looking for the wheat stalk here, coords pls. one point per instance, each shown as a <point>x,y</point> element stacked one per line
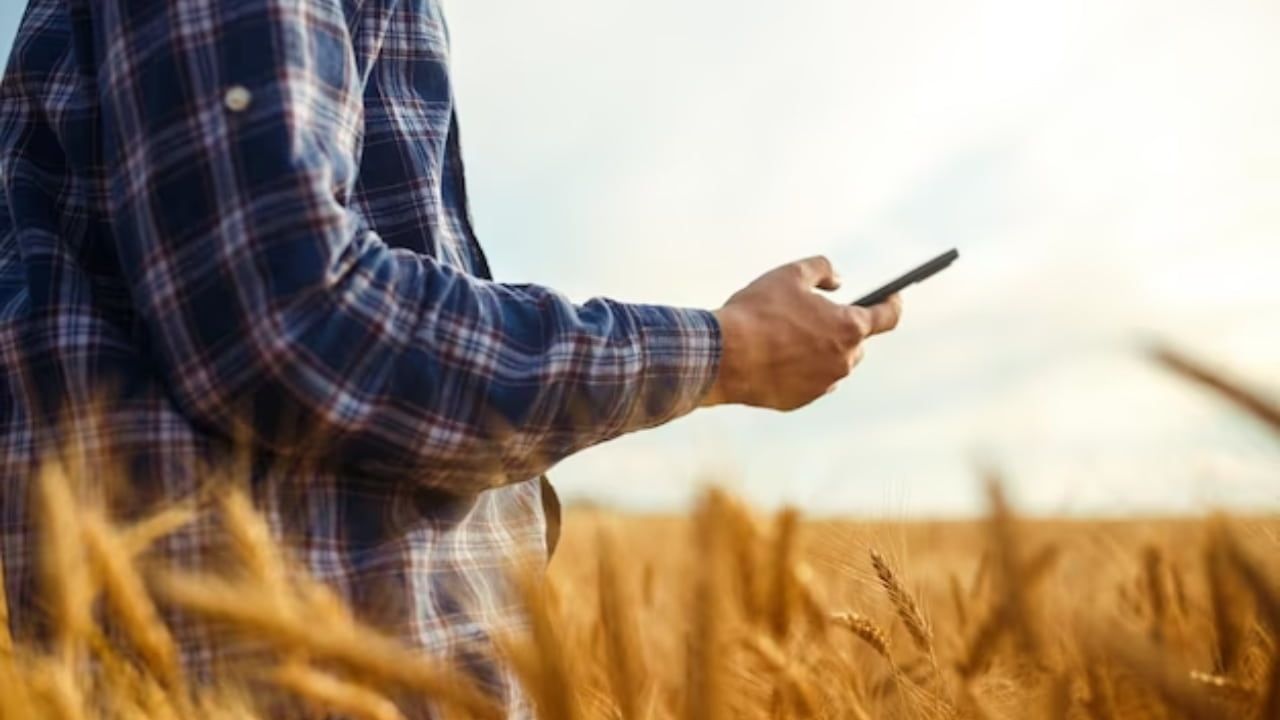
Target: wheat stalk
<point>333,694</point>
<point>1267,599</point>
<point>140,536</point>
<point>1002,618</point>
<point>810,596</point>
<point>1004,539</point>
<point>6,639</point>
<point>1244,398</point>
<point>782,590</point>
<point>957,599</point>
<point>248,610</point>
<point>59,686</point>
<point>625,656</point>
<point>66,579</point>
<point>795,689</point>
<point>745,540</point>
<point>1058,700</point>
<point>1153,579</point>
<point>1224,604</point>
<point>705,698</point>
<point>251,539</point>
<point>908,611</point>
<point>1151,666</point>
<point>866,630</point>
<point>127,595</point>
<point>1098,701</point>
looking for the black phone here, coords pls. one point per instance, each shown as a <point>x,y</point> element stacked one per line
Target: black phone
<point>929,269</point>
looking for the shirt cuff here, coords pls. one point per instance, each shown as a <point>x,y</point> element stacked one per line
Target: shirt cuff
<point>680,359</point>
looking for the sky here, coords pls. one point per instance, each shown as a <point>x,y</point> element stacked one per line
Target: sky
<point>1109,170</point>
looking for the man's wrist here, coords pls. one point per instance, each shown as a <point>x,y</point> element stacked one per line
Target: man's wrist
<point>726,385</point>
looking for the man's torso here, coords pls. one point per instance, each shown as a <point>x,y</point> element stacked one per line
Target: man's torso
<point>416,561</point>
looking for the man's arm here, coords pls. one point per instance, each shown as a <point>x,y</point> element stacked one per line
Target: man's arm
<point>275,313</point>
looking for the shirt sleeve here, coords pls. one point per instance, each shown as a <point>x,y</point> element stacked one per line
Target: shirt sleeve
<point>275,313</point>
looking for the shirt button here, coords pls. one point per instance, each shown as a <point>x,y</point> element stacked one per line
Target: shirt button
<point>237,98</point>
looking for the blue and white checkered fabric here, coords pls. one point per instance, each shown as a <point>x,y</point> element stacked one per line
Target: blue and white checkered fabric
<point>246,220</point>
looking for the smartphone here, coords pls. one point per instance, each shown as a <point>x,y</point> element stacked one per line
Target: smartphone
<point>926,270</point>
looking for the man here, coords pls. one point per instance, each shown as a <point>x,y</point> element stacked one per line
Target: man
<point>246,220</point>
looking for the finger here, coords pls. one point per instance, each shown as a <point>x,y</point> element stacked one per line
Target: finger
<point>818,272</point>
<point>884,317</point>
<point>855,325</point>
<point>855,356</point>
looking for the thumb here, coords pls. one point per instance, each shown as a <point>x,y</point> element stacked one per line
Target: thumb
<point>818,272</point>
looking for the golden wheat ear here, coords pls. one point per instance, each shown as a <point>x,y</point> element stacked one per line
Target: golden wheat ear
<point>866,630</point>
<point>908,611</point>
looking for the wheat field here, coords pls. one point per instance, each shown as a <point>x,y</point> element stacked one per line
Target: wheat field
<point>1002,619</point>
<point>724,613</point>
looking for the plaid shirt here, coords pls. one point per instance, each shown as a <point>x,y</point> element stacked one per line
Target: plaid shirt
<point>247,220</point>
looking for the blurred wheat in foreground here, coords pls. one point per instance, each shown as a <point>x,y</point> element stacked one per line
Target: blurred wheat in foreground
<point>726,614</point>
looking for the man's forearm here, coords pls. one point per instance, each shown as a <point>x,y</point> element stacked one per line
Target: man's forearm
<point>276,315</point>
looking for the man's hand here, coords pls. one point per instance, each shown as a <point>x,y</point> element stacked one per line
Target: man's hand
<point>785,345</point>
